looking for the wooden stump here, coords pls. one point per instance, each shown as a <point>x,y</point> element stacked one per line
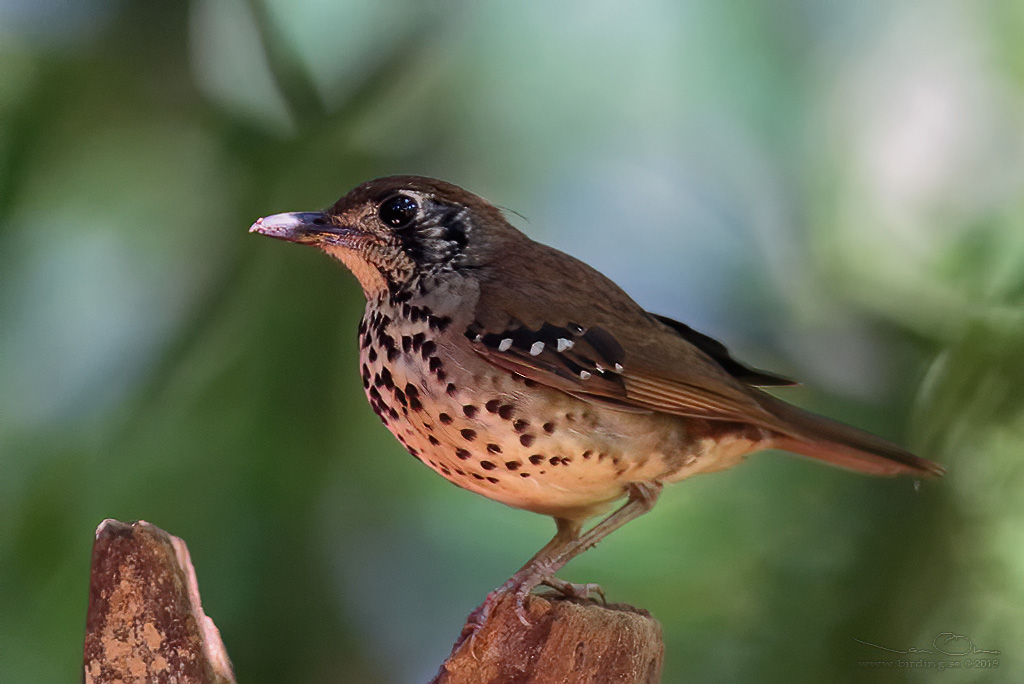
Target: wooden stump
<point>145,622</point>
<point>569,641</point>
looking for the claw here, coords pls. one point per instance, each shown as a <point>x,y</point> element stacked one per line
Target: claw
<point>573,590</point>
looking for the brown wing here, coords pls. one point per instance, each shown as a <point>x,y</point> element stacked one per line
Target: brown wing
<point>590,363</point>
<point>571,328</point>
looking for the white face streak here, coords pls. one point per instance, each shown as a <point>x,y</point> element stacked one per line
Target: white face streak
<point>505,344</point>
<point>537,348</point>
<point>563,344</point>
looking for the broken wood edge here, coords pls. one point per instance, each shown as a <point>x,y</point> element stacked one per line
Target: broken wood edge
<point>145,620</point>
<point>568,641</point>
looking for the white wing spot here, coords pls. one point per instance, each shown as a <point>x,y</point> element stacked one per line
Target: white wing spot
<point>537,348</point>
<point>599,367</point>
<point>618,368</point>
<point>564,344</point>
<point>505,344</point>
<point>584,375</point>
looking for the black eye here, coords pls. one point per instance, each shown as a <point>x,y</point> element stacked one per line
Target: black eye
<point>398,211</point>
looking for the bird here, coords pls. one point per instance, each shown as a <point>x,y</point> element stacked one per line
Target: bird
<point>520,373</point>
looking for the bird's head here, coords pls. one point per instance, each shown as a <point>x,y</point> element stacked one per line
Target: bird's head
<point>392,231</point>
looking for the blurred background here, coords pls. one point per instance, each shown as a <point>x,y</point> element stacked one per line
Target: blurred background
<point>835,190</point>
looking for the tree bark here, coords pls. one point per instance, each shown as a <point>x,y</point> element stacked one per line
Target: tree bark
<point>569,641</point>
<point>145,622</point>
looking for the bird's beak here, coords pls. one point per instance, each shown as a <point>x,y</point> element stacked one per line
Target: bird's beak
<point>307,227</point>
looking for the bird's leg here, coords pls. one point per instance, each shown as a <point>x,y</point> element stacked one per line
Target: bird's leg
<point>569,543</point>
<point>567,532</point>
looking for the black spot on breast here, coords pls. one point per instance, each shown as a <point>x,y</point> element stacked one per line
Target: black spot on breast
<point>478,476</point>
<point>385,376</point>
<point>417,341</point>
<point>520,425</point>
<point>451,390</point>
<point>433,440</point>
<point>526,440</point>
<point>493,480</point>
<point>406,343</point>
<point>494,448</point>
<point>400,297</point>
<point>492,405</point>
<point>536,459</point>
<point>462,454</point>
<point>434,363</point>
<point>468,435</point>
<point>549,428</point>
<point>554,460</point>
<point>487,465</point>
<point>470,410</point>
<point>427,349</point>
<point>587,453</point>
<point>372,355</point>
<point>439,323</point>
<point>444,418</point>
<point>400,396</point>
<point>505,411</point>
<point>512,465</point>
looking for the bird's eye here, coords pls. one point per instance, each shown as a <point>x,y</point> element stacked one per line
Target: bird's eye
<point>398,211</point>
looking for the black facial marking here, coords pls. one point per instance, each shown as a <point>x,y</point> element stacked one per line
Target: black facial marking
<point>435,236</point>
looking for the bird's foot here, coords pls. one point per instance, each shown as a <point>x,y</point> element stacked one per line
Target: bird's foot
<point>573,590</point>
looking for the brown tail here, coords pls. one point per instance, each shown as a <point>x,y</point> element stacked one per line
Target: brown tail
<point>842,445</point>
